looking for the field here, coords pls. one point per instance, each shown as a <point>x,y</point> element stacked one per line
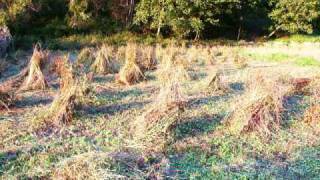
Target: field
<point>245,111</point>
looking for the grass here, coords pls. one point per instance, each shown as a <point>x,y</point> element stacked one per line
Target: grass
<point>299,38</point>
<point>284,58</point>
<point>200,146</point>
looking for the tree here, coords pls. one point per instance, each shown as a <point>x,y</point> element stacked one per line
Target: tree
<point>154,13</point>
<point>294,16</point>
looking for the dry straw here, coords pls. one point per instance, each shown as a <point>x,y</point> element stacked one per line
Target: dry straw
<point>98,165</point>
<point>36,79</point>
<point>260,108</point>
<point>86,57</point>
<point>312,114</point>
<point>148,59</point>
<point>130,73</point>
<point>216,85</point>
<point>105,62</point>
<point>73,87</point>
<point>152,129</point>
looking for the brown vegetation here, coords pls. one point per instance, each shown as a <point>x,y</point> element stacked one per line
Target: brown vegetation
<point>130,73</point>
<point>86,57</point>
<point>154,126</point>
<point>259,109</point>
<point>216,85</point>
<point>35,78</point>
<point>72,88</point>
<point>105,62</point>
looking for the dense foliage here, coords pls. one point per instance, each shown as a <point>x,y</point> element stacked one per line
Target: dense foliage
<point>179,18</point>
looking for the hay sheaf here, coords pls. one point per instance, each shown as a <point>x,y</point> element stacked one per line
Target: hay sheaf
<point>73,87</point>
<point>148,58</point>
<point>130,73</point>
<point>312,114</point>
<point>216,84</point>
<point>105,62</point>
<point>259,109</point>
<point>86,58</point>
<point>153,128</point>
<point>36,79</point>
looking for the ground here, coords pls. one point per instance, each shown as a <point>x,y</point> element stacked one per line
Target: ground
<point>199,148</point>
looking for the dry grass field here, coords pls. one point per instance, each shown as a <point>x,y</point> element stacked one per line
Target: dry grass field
<point>151,112</point>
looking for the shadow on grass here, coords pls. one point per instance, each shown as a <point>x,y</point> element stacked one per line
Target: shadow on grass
<point>104,79</point>
<point>114,96</point>
<point>113,108</point>
<point>237,86</point>
<point>194,126</point>
<point>6,160</point>
<point>32,101</point>
<point>197,102</point>
<point>294,108</point>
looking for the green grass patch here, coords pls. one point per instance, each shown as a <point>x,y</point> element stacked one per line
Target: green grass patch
<point>299,38</point>
<point>284,58</point>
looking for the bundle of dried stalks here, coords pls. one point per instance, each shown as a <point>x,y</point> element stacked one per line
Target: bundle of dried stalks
<point>171,68</point>
<point>153,128</point>
<point>86,57</point>
<point>98,165</point>
<point>259,109</point>
<point>148,60</point>
<point>216,85</point>
<point>6,100</point>
<point>130,73</point>
<point>312,114</point>
<point>73,87</point>
<point>35,78</point>
<point>13,83</point>
<point>105,62</point>
<point>240,61</point>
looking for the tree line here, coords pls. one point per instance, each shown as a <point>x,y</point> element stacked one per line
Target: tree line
<point>177,18</point>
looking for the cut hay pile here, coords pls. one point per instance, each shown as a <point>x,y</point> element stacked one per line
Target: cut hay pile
<point>216,84</point>
<point>312,114</point>
<point>13,83</point>
<point>153,128</point>
<point>86,57</point>
<point>35,79</point>
<point>29,78</point>
<point>105,62</point>
<point>72,88</point>
<point>130,73</point>
<point>99,165</point>
<point>240,61</point>
<point>148,60</point>
<point>172,69</point>
<point>259,109</point>
<point>6,100</point>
